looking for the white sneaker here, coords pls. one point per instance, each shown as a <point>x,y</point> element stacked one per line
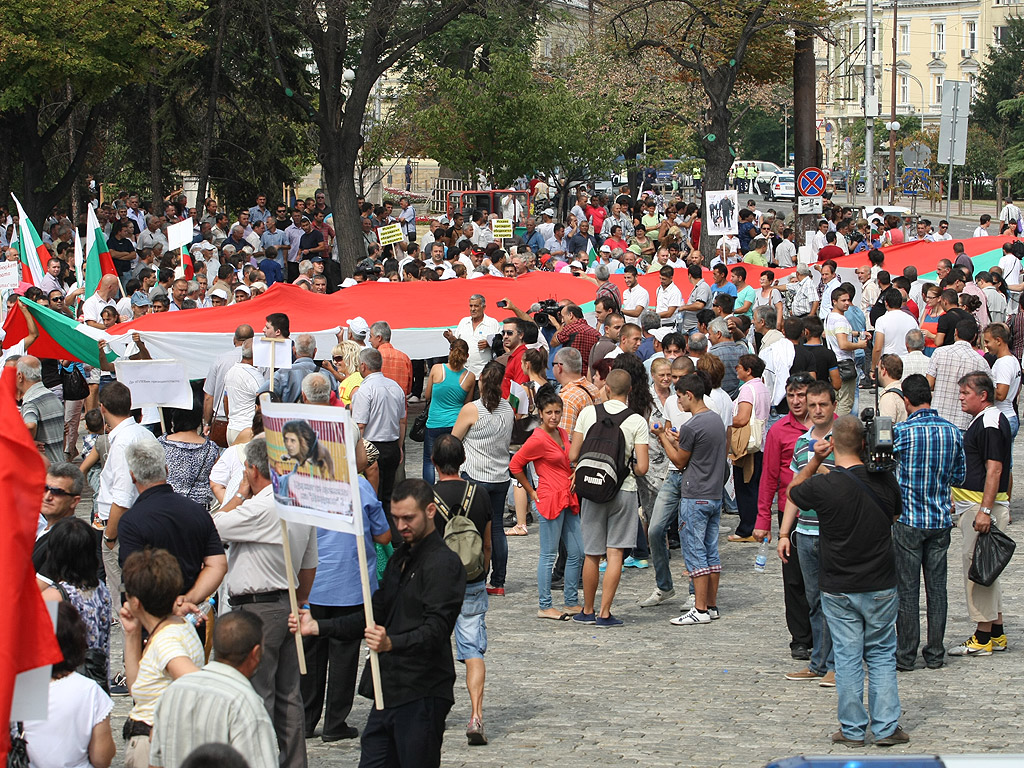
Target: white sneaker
<point>713,613</point>
<point>657,598</point>
<point>691,617</point>
<point>413,399</point>
<point>690,604</point>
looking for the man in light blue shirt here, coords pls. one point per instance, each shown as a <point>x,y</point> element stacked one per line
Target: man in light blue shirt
<point>337,591</point>
<point>273,237</point>
<point>259,212</point>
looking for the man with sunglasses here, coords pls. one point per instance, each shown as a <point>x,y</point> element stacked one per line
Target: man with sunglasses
<point>776,474</point>
<point>64,485</point>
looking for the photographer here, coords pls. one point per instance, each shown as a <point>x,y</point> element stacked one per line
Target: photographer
<point>856,510</point>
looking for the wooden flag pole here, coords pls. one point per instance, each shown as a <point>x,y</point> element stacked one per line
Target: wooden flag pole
<point>378,693</point>
<point>292,598</point>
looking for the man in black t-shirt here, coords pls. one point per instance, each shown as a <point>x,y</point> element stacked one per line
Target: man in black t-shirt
<point>951,315</point>
<point>981,501</point>
<point>856,510</point>
<point>826,367</point>
<point>312,241</point>
<point>470,628</point>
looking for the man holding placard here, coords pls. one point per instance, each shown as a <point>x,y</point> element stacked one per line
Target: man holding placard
<point>419,599</point>
<point>258,582</point>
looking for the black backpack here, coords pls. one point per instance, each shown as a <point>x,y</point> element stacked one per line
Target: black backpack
<point>603,466</point>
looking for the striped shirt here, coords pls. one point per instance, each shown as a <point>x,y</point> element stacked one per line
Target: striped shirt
<point>807,521</point>
<point>947,366</point>
<point>931,460</point>
<point>41,407</point>
<point>397,366</point>
<point>218,705</point>
<point>170,642</point>
<point>487,443</point>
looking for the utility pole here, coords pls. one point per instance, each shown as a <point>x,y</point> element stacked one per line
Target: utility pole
<point>804,134</point>
<point>870,101</point>
<point>892,118</point>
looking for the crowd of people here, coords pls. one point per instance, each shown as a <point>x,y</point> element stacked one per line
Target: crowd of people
<point>622,434</point>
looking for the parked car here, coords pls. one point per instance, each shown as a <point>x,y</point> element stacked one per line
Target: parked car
<point>765,170</point>
<point>781,186</point>
<point>839,181</point>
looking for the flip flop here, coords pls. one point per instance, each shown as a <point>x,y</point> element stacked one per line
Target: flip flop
<point>517,530</point>
<point>561,617</point>
<point>744,539</point>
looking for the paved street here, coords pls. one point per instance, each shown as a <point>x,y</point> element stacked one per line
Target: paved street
<point>560,694</point>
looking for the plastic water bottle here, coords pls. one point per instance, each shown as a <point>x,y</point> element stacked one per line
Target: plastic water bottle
<point>204,610</point>
<point>761,560</point>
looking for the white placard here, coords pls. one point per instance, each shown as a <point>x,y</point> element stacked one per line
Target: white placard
<point>808,205</point>
<point>282,353</point>
<point>156,382</point>
<point>31,700</point>
<point>180,234</point>
<point>722,209</point>
<point>10,275</point>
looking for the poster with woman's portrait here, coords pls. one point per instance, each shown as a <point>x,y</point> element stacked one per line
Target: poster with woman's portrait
<point>311,451</point>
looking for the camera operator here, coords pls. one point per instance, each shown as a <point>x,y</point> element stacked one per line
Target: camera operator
<point>856,510</point>
<point>931,461</point>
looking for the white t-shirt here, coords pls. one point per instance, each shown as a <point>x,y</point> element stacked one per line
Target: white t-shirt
<point>980,232</point>
<point>723,405</point>
<point>635,429</point>
<point>242,384</point>
<point>93,306</point>
<point>636,297</point>
<point>1006,370</point>
<point>835,324</point>
<point>486,330</point>
<point>76,705</point>
<point>229,469</point>
<point>1011,267</point>
<point>669,297</point>
<point>895,324</point>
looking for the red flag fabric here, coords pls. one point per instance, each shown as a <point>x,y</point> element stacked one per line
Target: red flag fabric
<point>27,640</point>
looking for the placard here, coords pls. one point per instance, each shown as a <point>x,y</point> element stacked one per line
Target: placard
<point>282,353</point>
<point>392,233</point>
<point>502,228</point>
<point>722,208</point>
<point>10,275</point>
<point>312,456</point>
<point>808,205</point>
<point>180,234</point>
<point>156,382</point>
<point>31,699</point>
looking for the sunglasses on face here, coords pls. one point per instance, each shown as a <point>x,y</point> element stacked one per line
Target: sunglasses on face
<point>58,492</point>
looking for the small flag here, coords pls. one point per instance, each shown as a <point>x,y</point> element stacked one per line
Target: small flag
<point>98,261</point>
<point>591,253</point>
<point>34,254</point>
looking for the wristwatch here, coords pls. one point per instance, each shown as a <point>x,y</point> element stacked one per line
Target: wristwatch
<point>986,510</point>
<point>108,539</point>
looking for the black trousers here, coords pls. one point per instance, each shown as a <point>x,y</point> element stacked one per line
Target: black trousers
<point>408,736</point>
<point>331,667</point>
<point>387,463</point>
<point>291,271</point>
<point>798,612</point>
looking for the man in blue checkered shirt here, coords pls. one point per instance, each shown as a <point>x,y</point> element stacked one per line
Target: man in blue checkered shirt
<point>931,460</point>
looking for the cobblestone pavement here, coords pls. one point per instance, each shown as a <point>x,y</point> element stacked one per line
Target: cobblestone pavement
<point>560,694</point>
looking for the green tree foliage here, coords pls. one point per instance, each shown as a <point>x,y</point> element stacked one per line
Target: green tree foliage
<point>999,106</point>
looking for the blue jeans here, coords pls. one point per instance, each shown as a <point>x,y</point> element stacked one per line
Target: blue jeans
<point>499,544</point>
<point>822,656</point>
<point>917,550</point>
<point>471,625</point>
<point>429,436</point>
<point>564,528</point>
<point>666,508</point>
<point>863,626</point>
<point>700,536</point>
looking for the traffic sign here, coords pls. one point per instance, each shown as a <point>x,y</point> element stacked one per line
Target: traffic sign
<point>811,182</point>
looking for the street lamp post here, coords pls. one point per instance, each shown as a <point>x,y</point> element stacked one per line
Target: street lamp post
<point>893,124</point>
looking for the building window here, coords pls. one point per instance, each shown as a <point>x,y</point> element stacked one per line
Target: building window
<point>971,36</point>
<point>937,80</point>
<point>904,38</point>
<point>904,89</point>
<point>939,37</point>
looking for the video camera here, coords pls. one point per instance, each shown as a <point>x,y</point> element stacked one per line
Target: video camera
<point>878,455</point>
<point>548,307</point>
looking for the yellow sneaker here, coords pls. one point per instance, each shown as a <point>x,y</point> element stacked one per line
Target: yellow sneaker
<point>999,643</point>
<point>971,647</point>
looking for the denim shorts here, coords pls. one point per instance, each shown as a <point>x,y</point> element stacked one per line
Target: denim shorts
<point>471,625</point>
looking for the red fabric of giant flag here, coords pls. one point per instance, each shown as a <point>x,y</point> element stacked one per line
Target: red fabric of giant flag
<point>27,640</point>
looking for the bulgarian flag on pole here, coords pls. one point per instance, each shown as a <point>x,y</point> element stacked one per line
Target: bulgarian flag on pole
<point>60,337</point>
<point>591,253</point>
<point>98,261</point>
<point>34,254</point>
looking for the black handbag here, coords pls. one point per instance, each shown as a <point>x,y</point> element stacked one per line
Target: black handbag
<point>418,432</point>
<point>74,383</point>
<point>17,755</point>
<point>992,553</point>
<point>847,370</point>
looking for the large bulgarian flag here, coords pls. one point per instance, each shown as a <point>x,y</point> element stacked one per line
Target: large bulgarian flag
<point>60,337</point>
<point>33,253</point>
<point>98,261</point>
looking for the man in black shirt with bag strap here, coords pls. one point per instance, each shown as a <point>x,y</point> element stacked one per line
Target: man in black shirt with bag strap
<point>857,575</point>
<point>419,599</point>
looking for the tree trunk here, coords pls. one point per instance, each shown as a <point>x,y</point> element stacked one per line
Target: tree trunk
<point>37,198</point>
<point>6,163</point>
<point>75,195</point>
<point>206,141</point>
<point>718,160</point>
<point>154,150</point>
<point>339,149</point>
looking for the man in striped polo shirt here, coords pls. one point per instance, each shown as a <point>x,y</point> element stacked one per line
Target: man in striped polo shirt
<point>821,407</point>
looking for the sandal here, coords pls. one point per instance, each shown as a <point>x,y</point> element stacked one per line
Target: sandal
<point>517,530</point>
<point>552,617</point>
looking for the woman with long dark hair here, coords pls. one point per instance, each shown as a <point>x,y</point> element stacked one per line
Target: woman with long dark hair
<point>640,400</point>
<point>485,428</point>
<point>302,446</point>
